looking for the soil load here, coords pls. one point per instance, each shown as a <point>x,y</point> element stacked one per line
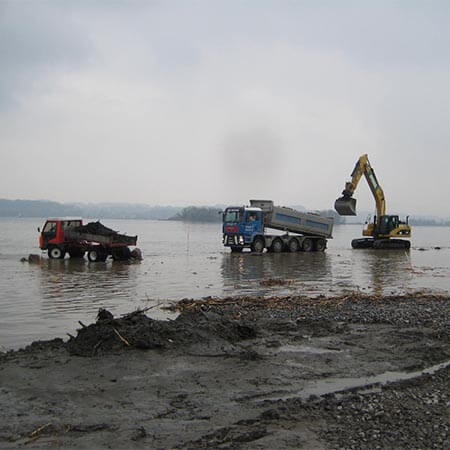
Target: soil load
<point>98,229</point>
<point>282,372</point>
<point>95,228</point>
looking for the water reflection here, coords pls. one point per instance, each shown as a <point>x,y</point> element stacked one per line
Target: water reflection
<point>388,270</point>
<point>76,284</point>
<point>331,273</point>
<point>246,272</point>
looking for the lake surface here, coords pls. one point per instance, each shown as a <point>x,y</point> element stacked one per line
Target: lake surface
<point>46,300</point>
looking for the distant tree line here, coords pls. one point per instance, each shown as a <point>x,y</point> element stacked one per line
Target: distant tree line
<point>417,221</point>
<point>199,214</point>
<point>45,208</point>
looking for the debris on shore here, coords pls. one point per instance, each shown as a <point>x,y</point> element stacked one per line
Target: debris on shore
<point>276,282</point>
<point>136,330</point>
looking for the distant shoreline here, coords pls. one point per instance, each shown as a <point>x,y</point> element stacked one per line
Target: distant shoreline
<point>124,211</point>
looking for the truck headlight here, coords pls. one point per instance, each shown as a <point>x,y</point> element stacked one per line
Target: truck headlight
<point>241,240</point>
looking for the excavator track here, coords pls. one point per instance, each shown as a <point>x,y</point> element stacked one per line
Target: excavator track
<point>362,243</point>
<point>381,244</point>
<point>392,244</point>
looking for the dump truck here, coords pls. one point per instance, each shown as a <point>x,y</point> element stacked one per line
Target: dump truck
<point>386,231</point>
<point>245,227</point>
<point>68,235</point>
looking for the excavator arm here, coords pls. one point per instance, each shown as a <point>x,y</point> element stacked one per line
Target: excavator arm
<point>346,205</point>
<point>384,230</point>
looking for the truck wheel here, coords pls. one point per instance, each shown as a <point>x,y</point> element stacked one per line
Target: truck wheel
<point>121,254</point>
<point>236,249</point>
<point>277,246</point>
<point>321,245</point>
<point>293,245</point>
<point>97,255</point>
<point>137,254</point>
<point>258,245</point>
<point>56,253</point>
<point>307,245</point>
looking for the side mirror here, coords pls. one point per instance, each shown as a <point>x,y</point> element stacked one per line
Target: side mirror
<point>39,230</point>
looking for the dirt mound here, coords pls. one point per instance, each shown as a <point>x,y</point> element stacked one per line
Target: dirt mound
<point>99,229</point>
<point>95,228</point>
<point>136,330</point>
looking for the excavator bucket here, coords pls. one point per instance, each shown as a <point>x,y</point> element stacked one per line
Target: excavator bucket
<point>345,206</point>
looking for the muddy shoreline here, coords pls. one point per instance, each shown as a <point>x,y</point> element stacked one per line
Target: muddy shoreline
<point>281,372</point>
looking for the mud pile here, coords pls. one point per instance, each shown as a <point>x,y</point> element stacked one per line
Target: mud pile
<point>95,228</point>
<point>136,330</point>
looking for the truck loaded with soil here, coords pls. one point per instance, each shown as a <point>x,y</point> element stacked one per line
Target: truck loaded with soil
<point>251,372</point>
<point>61,236</point>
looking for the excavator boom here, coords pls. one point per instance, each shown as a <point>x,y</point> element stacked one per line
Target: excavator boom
<point>346,205</point>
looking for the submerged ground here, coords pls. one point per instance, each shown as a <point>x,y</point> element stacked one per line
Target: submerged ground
<point>251,372</point>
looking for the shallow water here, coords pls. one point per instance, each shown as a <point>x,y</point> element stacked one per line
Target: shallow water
<point>370,383</point>
<point>188,261</point>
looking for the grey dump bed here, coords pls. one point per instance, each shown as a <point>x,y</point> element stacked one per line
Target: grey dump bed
<point>288,219</point>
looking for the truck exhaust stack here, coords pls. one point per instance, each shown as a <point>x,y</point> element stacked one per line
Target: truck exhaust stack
<point>345,206</point>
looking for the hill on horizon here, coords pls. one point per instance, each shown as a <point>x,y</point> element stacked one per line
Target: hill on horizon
<point>48,208</point>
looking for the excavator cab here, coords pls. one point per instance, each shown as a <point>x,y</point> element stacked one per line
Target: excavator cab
<point>387,224</point>
<point>345,206</point>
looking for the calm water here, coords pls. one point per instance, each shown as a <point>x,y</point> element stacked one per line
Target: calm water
<point>188,261</point>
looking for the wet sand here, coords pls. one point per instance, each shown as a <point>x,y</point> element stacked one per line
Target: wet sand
<point>250,372</point>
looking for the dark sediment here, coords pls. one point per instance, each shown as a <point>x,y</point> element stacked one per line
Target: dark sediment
<point>238,373</point>
<point>136,330</point>
<point>95,228</point>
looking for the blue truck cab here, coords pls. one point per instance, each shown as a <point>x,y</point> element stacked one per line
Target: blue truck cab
<point>242,226</point>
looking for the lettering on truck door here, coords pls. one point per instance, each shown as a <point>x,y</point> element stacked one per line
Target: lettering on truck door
<point>251,223</point>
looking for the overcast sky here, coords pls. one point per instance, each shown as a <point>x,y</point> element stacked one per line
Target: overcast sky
<point>206,102</point>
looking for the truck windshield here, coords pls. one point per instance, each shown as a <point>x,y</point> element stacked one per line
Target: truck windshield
<point>49,227</point>
<point>232,216</point>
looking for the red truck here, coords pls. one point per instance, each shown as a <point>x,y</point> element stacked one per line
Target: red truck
<point>61,236</point>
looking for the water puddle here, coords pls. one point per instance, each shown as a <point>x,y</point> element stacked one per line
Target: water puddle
<point>372,383</point>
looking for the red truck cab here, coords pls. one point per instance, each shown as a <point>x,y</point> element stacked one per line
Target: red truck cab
<point>53,239</point>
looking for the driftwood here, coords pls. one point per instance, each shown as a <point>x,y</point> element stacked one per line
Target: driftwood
<point>290,302</point>
<point>122,338</point>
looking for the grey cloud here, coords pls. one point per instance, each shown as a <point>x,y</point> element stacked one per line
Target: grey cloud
<point>36,40</point>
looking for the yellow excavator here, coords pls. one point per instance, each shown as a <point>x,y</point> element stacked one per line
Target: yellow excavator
<point>384,229</point>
